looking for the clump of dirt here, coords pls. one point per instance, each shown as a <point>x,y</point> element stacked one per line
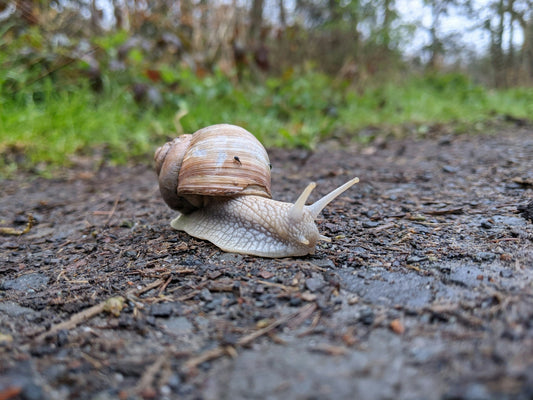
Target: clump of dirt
<point>424,292</point>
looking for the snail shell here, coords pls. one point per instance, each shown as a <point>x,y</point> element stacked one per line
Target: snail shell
<point>219,160</point>
<point>219,179</point>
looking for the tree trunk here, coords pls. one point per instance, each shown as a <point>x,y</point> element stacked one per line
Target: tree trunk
<point>282,16</point>
<point>256,21</point>
<point>498,61</point>
<point>527,50</point>
<point>435,47</point>
<point>387,21</point>
<point>186,23</point>
<point>119,15</point>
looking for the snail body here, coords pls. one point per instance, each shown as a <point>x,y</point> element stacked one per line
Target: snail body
<point>236,213</point>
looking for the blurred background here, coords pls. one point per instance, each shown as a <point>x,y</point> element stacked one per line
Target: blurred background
<point>109,80</point>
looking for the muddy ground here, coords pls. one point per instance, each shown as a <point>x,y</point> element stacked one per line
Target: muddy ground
<point>426,291</point>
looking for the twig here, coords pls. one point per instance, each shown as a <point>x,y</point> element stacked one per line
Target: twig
<point>184,271</point>
<point>305,313</point>
<point>208,355</point>
<point>445,211</point>
<point>188,295</point>
<point>93,361</point>
<point>278,285</point>
<point>311,329</point>
<point>112,210</point>
<point>17,232</point>
<point>154,284</point>
<point>148,377</point>
<point>383,227</point>
<point>113,305</point>
<point>405,237</point>
<point>246,340</point>
<point>164,286</point>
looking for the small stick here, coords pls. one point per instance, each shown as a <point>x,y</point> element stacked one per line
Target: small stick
<point>17,232</point>
<point>188,295</point>
<point>305,310</point>
<point>154,284</point>
<point>208,355</point>
<point>383,227</point>
<point>147,378</point>
<point>444,211</point>
<point>278,285</point>
<point>84,315</point>
<point>184,271</point>
<point>164,286</point>
<point>246,340</point>
<point>305,313</point>
<point>113,210</point>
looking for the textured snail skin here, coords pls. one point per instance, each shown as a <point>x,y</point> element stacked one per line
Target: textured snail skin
<point>251,225</point>
<point>259,226</point>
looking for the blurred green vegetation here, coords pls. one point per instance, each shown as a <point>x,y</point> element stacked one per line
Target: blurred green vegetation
<point>52,116</point>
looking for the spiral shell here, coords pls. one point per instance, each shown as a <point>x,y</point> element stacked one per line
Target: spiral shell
<point>216,161</point>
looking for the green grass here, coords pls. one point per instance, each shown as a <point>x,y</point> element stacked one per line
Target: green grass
<point>49,127</point>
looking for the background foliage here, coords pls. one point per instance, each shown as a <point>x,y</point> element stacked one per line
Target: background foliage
<point>111,80</point>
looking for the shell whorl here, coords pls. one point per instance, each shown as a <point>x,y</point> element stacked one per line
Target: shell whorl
<point>168,164</point>
<point>216,161</point>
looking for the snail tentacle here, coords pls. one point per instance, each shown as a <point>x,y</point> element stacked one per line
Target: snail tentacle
<point>317,207</point>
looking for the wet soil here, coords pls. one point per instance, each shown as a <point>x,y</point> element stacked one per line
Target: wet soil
<point>425,292</point>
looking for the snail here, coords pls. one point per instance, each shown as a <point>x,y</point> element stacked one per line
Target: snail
<point>219,180</point>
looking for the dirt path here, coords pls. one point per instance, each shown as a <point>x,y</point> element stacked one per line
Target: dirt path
<point>426,291</point>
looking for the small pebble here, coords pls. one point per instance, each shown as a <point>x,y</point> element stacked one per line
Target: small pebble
<point>367,316</point>
<point>415,259</point>
<point>295,301</point>
<point>449,169</point>
<point>486,224</point>
<point>174,381</point>
<point>506,273</point>
<point>485,256</point>
<point>165,390</point>
<point>353,299</point>
<point>21,220</point>
<point>324,263</point>
<point>369,213</point>
<point>313,284</point>
<point>230,258</point>
<point>206,295</point>
<point>445,140</point>
<point>162,310</point>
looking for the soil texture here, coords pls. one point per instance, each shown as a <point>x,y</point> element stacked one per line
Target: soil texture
<point>425,291</point>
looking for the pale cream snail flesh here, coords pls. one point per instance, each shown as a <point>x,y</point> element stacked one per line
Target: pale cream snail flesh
<point>219,179</point>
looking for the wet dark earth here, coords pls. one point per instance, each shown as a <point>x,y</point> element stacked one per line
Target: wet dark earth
<point>425,292</point>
